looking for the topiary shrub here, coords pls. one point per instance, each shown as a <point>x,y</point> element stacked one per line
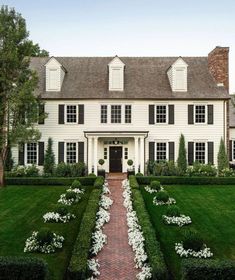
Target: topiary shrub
<point>91,175</point>
<point>44,236</point>
<point>222,158</point>
<point>192,240</point>
<point>139,174</point>
<point>99,182</point>
<point>101,162</point>
<point>162,196</point>
<point>130,162</point>
<point>182,159</point>
<point>155,185</point>
<point>70,195</point>
<point>173,211</point>
<point>76,184</point>
<point>49,161</point>
<point>63,211</point>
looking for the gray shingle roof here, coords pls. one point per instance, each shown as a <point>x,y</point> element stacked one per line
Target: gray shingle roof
<point>145,78</point>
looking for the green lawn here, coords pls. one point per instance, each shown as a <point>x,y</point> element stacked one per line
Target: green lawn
<point>212,210</point>
<point>21,211</point>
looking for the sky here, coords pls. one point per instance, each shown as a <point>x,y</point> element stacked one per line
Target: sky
<point>130,27</point>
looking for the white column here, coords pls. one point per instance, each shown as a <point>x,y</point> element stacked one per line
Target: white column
<point>136,154</point>
<point>142,155</point>
<point>89,155</point>
<point>95,161</point>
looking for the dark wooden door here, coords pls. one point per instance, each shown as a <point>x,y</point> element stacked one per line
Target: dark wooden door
<point>115,159</point>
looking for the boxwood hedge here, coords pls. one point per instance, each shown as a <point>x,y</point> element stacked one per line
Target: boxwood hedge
<point>99,182</point>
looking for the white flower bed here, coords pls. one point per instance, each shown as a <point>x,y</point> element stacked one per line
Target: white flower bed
<point>56,217</point>
<point>135,235</point>
<point>169,202</point>
<point>98,237</point>
<point>77,190</point>
<point>32,245</point>
<point>68,202</point>
<point>204,253</point>
<point>150,190</point>
<point>179,221</point>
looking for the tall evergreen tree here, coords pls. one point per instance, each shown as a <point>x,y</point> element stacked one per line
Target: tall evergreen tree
<point>182,160</point>
<point>222,158</point>
<point>49,161</point>
<point>18,105</point>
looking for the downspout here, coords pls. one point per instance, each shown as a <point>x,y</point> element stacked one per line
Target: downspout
<point>86,150</point>
<point>145,151</point>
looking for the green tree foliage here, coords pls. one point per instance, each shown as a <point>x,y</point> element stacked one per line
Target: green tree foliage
<point>182,160</point>
<point>18,105</point>
<point>49,161</point>
<point>222,158</point>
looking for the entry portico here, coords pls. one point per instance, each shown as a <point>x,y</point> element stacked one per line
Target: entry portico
<point>116,147</point>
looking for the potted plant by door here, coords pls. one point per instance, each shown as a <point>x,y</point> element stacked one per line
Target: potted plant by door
<point>130,170</point>
<point>101,171</point>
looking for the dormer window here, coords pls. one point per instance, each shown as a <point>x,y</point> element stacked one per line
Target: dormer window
<point>116,75</point>
<point>177,75</point>
<point>55,73</point>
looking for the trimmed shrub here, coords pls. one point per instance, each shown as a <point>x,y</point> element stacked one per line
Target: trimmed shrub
<point>133,182</point>
<point>61,210</point>
<point>78,268</point>
<point>44,236</point>
<point>199,169</point>
<point>139,174</point>
<point>24,171</point>
<point>49,160</point>
<point>23,268</point>
<point>192,240</point>
<point>70,195</point>
<point>76,184</point>
<point>152,246</point>
<point>77,169</point>
<point>194,269</point>
<point>62,170</point>
<point>222,158</point>
<point>99,182</point>
<point>163,168</point>
<point>101,161</point>
<point>162,196</point>
<point>155,185</point>
<point>130,162</point>
<point>92,175</point>
<point>182,160</point>
<point>173,211</point>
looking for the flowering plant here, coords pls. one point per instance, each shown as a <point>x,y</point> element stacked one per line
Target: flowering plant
<point>76,190</point>
<point>168,202</point>
<point>177,220</point>
<point>93,266</point>
<point>58,218</point>
<point>150,190</point>
<point>205,252</point>
<point>69,198</point>
<point>32,244</point>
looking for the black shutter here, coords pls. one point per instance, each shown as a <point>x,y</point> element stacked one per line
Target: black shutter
<point>81,151</point>
<point>172,151</point>
<point>190,114</point>
<point>41,111</point>
<point>151,114</point>
<point>60,152</point>
<point>230,150</point>
<point>61,114</point>
<point>81,114</point>
<point>171,114</point>
<point>40,153</point>
<point>21,154</point>
<point>210,152</point>
<point>190,153</point>
<point>151,151</point>
<point>210,114</point>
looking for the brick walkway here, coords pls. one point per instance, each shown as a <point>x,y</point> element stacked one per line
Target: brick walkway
<point>117,258</point>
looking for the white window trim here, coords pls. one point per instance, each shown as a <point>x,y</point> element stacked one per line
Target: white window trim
<point>122,113</point>
<point>65,114</point>
<point>167,148</point>
<point>26,153</point>
<point>48,86</point>
<point>206,149</point>
<point>233,154</point>
<point>155,114</point>
<point>194,114</point>
<point>107,114</point>
<point>65,149</point>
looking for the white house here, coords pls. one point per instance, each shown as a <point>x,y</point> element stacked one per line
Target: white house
<point>120,108</point>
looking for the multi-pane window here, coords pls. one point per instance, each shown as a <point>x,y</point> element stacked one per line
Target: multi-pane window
<point>200,152</point>
<point>103,114</point>
<point>127,113</point>
<point>71,114</point>
<point>126,153</point>
<point>161,151</point>
<point>160,113</point>
<point>31,153</point>
<point>71,152</point>
<point>116,114</point>
<point>200,114</point>
<point>105,153</point>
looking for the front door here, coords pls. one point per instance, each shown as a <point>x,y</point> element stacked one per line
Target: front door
<point>115,159</point>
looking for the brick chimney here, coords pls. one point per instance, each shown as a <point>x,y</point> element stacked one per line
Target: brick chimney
<point>218,65</point>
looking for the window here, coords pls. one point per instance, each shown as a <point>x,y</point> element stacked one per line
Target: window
<point>127,113</point>
<point>200,113</point>
<point>161,114</point>
<point>53,78</point>
<point>71,114</point>
<point>200,152</point>
<point>161,151</point>
<point>105,153</point>
<point>233,150</point>
<point>71,152</point>
<point>116,114</point>
<point>179,78</point>
<point>31,153</point>
<point>126,153</point>
<point>103,116</point>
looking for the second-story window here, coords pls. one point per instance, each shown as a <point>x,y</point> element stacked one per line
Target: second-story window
<point>116,114</point>
<point>71,114</point>
<point>161,114</point>
<point>104,114</point>
<point>127,113</point>
<point>200,113</point>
